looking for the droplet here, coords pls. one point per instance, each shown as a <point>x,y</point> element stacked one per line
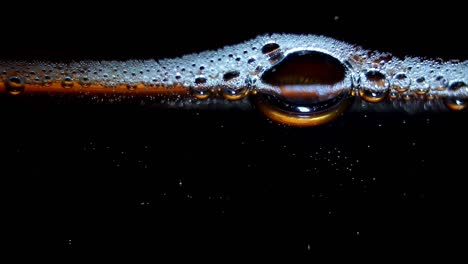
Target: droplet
<point>373,86</point>
<point>230,75</point>
<point>251,60</point>
<point>440,83</point>
<point>234,94</point>
<point>401,82</point>
<point>67,82</point>
<point>421,87</point>
<point>14,85</point>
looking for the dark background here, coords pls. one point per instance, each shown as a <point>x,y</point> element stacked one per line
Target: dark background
<point>82,177</point>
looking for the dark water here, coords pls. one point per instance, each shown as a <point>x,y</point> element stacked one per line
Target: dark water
<point>81,177</point>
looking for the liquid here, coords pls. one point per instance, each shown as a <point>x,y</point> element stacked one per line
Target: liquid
<point>295,80</point>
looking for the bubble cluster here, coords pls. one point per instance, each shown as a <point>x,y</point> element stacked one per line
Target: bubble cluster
<point>318,69</point>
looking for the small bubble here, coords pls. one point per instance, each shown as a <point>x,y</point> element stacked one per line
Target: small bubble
<point>401,82</point>
<point>440,83</point>
<point>270,47</point>
<point>230,75</point>
<point>47,80</point>
<point>14,85</point>
<point>407,96</point>
<point>84,81</point>
<point>457,86</point>
<point>421,87</point>
<point>132,86</point>
<point>67,82</point>
<point>374,86</point>
<point>200,79</point>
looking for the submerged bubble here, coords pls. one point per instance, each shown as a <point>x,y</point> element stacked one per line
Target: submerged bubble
<point>14,85</point>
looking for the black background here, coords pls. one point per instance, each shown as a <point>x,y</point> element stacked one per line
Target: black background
<point>82,177</point>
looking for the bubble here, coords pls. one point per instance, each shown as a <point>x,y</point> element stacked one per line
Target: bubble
<point>273,51</point>
<point>67,82</point>
<point>200,93</point>
<point>401,82</point>
<point>456,104</point>
<point>421,87</point>
<point>306,67</point>
<point>132,86</point>
<point>373,86</point>
<point>270,47</point>
<point>455,86</point>
<point>312,89</point>
<point>135,86</point>
<point>440,83</point>
<point>200,79</point>
<point>84,81</point>
<point>230,75</point>
<point>14,85</point>
<point>47,80</point>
